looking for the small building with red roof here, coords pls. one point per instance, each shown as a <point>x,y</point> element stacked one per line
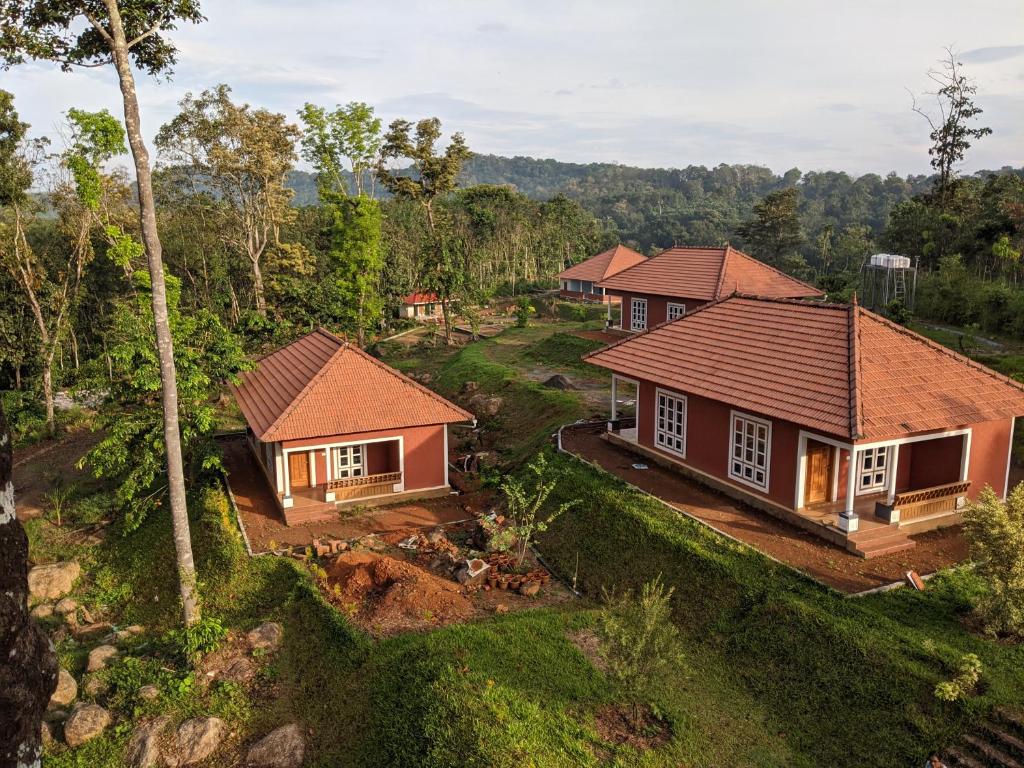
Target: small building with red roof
<point>421,305</point>
<point>676,281</point>
<point>330,425</point>
<point>580,281</point>
<point>825,414</point>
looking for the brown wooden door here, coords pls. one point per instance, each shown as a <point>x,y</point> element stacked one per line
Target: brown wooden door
<point>298,469</point>
<point>819,472</point>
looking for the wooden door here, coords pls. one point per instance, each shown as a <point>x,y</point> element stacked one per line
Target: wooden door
<point>818,482</point>
<point>298,469</point>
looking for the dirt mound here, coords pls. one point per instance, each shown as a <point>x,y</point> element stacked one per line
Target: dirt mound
<point>558,381</point>
<point>389,595</point>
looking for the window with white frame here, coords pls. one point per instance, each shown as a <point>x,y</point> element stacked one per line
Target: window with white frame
<point>750,450</point>
<point>675,311</point>
<point>670,423</point>
<point>873,474</point>
<point>348,462</point>
<point>638,315</point>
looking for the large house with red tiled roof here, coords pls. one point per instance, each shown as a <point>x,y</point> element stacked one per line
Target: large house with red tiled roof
<point>667,286</point>
<point>331,425</point>
<point>580,281</point>
<point>825,414</point>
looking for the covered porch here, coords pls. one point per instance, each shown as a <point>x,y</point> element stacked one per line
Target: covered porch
<point>624,400</point>
<point>340,472</point>
<point>911,483</point>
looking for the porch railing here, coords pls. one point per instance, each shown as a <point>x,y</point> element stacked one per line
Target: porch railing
<point>939,499</point>
<point>367,485</point>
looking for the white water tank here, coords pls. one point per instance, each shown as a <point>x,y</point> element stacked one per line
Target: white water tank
<point>890,261</point>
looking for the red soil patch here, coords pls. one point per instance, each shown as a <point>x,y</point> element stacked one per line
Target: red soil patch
<point>615,725</point>
<point>388,596</point>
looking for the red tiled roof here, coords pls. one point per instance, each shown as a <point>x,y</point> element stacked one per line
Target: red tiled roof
<point>707,274</point>
<point>320,385</point>
<point>605,264</point>
<point>833,367</point>
<point>420,298</point>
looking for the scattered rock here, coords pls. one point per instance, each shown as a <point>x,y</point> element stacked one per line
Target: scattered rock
<point>149,693</point>
<point>86,616</point>
<point>49,582</point>
<point>484,405</point>
<point>469,388</point>
<point>90,631</point>
<point>240,670</point>
<point>266,637</point>
<point>501,608</point>
<point>321,548</point>
<point>100,656</point>
<point>67,690</point>
<point>283,747</point>
<point>198,738</point>
<point>135,629</point>
<point>86,722</point>
<point>143,750</point>
<point>558,381</point>
<point>43,611</point>
<point>66,605</point>
<point>530,589</point>
<point>94,686</point>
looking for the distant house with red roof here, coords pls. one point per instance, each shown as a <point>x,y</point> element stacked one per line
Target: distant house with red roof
<point>420,305</point>
<point>331,425</point>
<point>579,281</point>
<point>667,286</point>
<point>827,415</point>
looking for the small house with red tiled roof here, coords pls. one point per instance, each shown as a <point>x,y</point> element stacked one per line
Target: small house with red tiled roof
<point>330,424</point>
<point>825,414</point>
<point>580,281</point>
<point>421,305</point>
<point>667,286</point>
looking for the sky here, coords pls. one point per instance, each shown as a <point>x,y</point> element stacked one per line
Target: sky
<point>812,84</point>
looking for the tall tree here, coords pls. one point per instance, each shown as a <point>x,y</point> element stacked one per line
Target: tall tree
<point>951,130</point>
<point>330,138</point>
<point>774,232</point>
<point>28,675</point>
<point>243,155</point>
<point>432,175</point>
<point>94,33</point>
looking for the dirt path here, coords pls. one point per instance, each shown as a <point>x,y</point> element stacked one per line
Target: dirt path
<point>39,468</point>
<point>792,545</point>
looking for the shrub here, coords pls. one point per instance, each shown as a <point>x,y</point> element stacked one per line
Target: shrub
<point>203,637</point>
<point>523,311</point>
<point>995,532</point>
<point>965,681</point>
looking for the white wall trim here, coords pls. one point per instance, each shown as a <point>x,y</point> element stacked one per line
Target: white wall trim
<point>1009,458</point>
<point>733,415</point>
<point>647,318</point>
<point>443,458</point>
<point>658,392</point>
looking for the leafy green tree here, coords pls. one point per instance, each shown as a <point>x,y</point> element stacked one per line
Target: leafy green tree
<point>774,232</point>
<point>131,452</point>
<point>995,532</point>
<point>639,642</point>
<point>330,138</point>
<point>94,33</point>
<point>433,175</point>
<point>951,131</point>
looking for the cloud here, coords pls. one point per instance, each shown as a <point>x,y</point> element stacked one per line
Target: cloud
<point>492,27</point>
<point>993,53</point>
<point>840,107</point>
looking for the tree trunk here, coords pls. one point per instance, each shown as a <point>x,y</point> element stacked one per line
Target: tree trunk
<point>28,674</point>
<point>164,342</point>
<point>51,422</point>
<point>257,288</point>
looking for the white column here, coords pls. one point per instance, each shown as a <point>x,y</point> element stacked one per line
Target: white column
<point>894,460</point>
<point>311,458</point>
<point>615,397</point>
<point>848,520</point>
<point>965,456</point>
<point>287,500</point>
<point>329,469</point>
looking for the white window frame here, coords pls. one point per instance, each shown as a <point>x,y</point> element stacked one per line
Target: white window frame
<point>746,421</point>
<point>872,474</point>
<point>354,466</point>
<point>680,311</point>
<point>667,407</point>
<point>637,308</point>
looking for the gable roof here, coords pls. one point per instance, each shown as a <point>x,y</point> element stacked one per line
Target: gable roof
<point>707,274</point>
<point>836,368</point>
<point>320,385</point>
<point>420,297</point>
<point>605,264</point>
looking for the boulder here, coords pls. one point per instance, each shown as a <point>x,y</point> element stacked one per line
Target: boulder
<point>198,738</point>
<point>52,581</point>
<point>266,637</point>
<point>283,747</point>
<point>530,588</point>
<point>66,605</point>
<point>43,611</point>
<point>469,388</point>
<point>240,670</point>
<point>149,693</point>
<point>143,749</point>
<point>558,381</point>
<point>483,405</point>
<point>94,686</point>
<point>86,722</point>
<point>100,656</point>
<point>66,692</point>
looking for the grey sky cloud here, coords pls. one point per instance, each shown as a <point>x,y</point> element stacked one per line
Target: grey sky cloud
<point>803,83</point>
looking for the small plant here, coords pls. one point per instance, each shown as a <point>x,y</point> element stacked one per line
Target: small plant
<point>965,681</point>
<point>639,642</point>
<point>524,509</point>
<point>523,311</point>
<point>58,500</point>
<point>203,637</point>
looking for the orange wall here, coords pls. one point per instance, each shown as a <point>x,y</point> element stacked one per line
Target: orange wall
<point>425,459</point>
